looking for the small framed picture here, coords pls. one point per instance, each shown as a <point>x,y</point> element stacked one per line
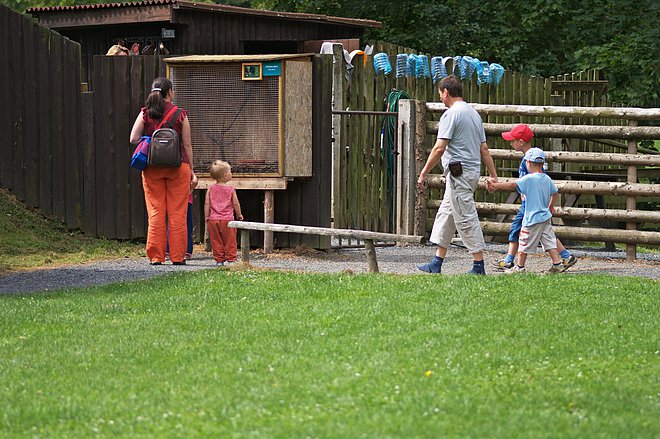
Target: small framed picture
<point>252,71</point>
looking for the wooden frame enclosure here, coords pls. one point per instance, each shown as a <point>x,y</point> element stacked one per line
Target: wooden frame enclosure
<point>260,125</point>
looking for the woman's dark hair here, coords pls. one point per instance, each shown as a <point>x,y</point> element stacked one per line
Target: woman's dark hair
<point>453,85</point>
<point>155,104</point>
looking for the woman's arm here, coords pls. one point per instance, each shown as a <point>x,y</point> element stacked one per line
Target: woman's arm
<point>186,139</point>
<point>138,129</point>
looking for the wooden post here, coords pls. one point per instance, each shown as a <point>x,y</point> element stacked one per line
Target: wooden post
<point>372,263</point>
<point>405,156</point>
<point>411,135</point>
<point>337,100</point>
<point>245,246</point>
<point>631,202</point>
<point>269,217</point>
<point>419,223</point>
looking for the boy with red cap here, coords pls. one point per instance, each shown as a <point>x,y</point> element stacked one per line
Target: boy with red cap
<point>521,140</point>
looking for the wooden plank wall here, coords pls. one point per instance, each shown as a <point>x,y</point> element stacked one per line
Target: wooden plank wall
<point>364,194</point>
<point>114,191</point>
<point>40,117</point>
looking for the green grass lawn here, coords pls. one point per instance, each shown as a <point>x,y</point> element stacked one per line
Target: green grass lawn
<point>281,355</point>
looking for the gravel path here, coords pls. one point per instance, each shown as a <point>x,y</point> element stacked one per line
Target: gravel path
<point>399,260</point>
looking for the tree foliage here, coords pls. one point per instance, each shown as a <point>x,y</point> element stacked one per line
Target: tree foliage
<point>538,37</point>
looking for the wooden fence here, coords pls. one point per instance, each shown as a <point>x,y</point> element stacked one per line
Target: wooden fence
<point>40,117</point>
<point>114,199</point>
<point>414,127</point>
<point>365,150</point>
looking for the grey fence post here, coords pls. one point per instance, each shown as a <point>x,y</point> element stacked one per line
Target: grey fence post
<point>411,135</point>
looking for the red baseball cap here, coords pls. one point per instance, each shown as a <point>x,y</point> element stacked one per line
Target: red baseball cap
<point>519,132</point>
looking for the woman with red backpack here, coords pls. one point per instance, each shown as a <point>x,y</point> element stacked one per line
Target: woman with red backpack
<point>166,188</point>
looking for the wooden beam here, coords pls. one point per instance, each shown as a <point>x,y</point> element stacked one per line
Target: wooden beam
<point>558,111</point>
<point>583,157</point>
<point>248,183</point>
<point>641,216</point>
<point>570,131</point>
<point>326,231</point>
<point>437,181</point>
<point>585,234</point>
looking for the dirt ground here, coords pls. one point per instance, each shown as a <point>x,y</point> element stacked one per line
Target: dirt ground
<point>404,260</point>
<point>391,259</point>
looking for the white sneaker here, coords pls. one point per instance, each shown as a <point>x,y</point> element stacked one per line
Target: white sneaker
<point>230,263</point>
<point>515,269</point>
<point>219,264</point>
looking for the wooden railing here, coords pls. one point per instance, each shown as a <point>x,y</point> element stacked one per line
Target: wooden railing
<point>414,128</point>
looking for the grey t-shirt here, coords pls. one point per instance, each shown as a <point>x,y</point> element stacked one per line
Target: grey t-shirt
<point>463,127</point>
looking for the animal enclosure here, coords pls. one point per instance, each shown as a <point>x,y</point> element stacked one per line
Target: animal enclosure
<point>254,112</point>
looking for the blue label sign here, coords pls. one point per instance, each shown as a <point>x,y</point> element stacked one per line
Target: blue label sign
<point>272,68</point>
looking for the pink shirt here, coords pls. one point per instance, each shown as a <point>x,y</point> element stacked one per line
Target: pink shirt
<point>220,200</point>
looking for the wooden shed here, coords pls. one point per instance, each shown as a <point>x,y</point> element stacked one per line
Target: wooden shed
<point>179,27</point>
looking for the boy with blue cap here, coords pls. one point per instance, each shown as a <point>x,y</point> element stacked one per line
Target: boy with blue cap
<point>521,140</point>
<point>540,196</point>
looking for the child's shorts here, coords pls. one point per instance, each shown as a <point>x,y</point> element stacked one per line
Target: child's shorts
<point>530,236</point>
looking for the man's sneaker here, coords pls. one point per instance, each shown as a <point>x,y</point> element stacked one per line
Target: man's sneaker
<point>568,262</point>
<point>515,269</point>
<point>230,263</point>
<point>477,271</point>
<point>557,268</point>
<point>219,264</point>
<point>502,264</point>
<point>430,268</point>
<point>188,256</point>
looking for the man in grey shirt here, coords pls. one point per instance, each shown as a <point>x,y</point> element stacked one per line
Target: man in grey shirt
<point>461,144</point>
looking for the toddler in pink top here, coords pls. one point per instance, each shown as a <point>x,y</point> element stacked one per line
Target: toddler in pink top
<point>219,208</point>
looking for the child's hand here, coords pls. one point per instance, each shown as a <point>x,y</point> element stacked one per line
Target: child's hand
<point>239,217</point>
<point>490,186</point>
<point>193,182</point>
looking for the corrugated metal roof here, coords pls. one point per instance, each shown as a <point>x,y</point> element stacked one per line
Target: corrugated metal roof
<point>101,6</point>
<point>210,7</point>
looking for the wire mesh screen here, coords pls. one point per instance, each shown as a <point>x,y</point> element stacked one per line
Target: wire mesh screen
<point>230,119</point>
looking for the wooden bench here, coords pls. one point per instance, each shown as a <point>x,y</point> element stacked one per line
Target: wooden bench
<point>367,236</point>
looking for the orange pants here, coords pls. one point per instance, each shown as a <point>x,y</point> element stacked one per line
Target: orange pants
<point>223,240</point>
<point>166,193</point>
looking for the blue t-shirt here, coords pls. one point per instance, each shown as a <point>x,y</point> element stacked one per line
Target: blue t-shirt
<point>537,189</point>
<point>522,171</point>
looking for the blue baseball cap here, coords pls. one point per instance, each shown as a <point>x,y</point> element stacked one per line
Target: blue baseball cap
<point>535,155</point>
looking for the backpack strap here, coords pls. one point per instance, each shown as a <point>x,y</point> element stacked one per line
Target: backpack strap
<point>165,118</point>
<point>174,118</point>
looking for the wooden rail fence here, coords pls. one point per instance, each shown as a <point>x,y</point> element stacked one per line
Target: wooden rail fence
<point>414,127</point>
<point>367,160</point>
